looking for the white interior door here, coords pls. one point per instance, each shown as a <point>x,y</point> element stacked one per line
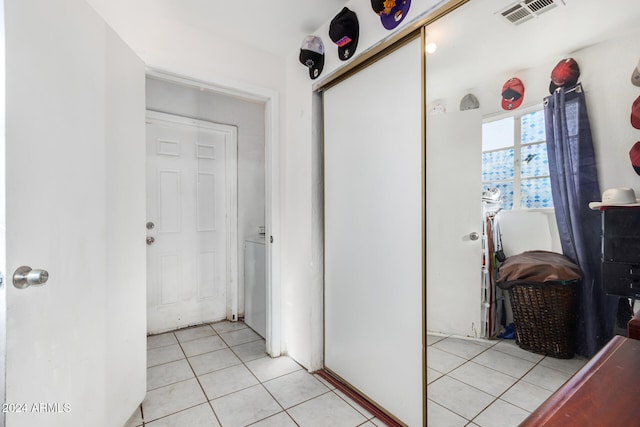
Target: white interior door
<point>190,205</point>
<point>74,170</point>
<point>454,151</point>
<point>373,233</point>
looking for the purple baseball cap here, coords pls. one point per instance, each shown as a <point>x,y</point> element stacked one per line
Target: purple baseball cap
<point>391,12</point>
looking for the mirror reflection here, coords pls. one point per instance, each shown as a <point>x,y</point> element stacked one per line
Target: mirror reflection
<point>530,116</point>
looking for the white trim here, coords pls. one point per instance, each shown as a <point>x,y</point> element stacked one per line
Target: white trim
<point>272,223</point>
<point>232,224</point>
<point>272,186</point>
<point>231,158</point>
<point>523,111</point>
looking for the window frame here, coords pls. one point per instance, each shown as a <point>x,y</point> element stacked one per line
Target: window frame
<point>517,154</point>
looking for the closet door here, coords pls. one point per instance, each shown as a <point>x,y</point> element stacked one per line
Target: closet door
<point>374,231</point>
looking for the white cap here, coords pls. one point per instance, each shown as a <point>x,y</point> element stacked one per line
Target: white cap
<point>635,77</point>
<point>314,44</point>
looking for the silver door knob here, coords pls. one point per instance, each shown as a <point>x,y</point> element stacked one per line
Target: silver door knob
<point>474,236</point>
<point>25,276</point>
<point>150,240</point>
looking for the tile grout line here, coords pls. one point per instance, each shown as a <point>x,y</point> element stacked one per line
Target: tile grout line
<point>450,410</point>
<point>513,385</point>
<point>196,377</point>
<point>520,379</point>
<point>356,409</point>
<point>198,380</point>
<point>286,410</point>
<point>242,363</point>
<point>496,398</point>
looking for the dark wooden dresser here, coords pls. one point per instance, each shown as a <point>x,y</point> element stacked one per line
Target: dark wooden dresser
<point>603,393</point>
<point>621,251</point>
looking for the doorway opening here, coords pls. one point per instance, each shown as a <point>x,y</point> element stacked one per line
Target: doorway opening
<point>254,114</point>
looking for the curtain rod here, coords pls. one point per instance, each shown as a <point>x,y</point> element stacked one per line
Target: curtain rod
<point>577,87</point>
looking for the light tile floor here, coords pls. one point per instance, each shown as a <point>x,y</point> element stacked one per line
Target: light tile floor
<point>488,383</point>
<point>219,375</point>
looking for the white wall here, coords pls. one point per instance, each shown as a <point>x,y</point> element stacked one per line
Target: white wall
<point>606,77</point>
<point>249,118</point>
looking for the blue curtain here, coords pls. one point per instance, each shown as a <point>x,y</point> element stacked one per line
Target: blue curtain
<point>574,183</point>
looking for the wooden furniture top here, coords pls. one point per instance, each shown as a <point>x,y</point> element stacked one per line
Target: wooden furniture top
<point>603,393</point>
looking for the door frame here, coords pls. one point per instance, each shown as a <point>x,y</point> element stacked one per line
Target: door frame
<point>271,101</point>
<point>231,197</point>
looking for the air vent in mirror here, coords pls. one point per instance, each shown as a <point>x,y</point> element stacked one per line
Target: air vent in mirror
<point>523,11</point>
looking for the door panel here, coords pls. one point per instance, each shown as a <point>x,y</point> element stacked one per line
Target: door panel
<point>454,150</point>
<point>373,233</point>
<point>189,273</point>
<point>76,346</point>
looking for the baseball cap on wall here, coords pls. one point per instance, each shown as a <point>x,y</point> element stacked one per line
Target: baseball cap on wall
<point>512,94</point>
<point>634,156</point>
<point>344,31</point>
<point>565,73</point>
<point>312,55</point>
<point>391,12</point>
<point>635,76</point>
<point>469,102</point>
<point>635,113</point>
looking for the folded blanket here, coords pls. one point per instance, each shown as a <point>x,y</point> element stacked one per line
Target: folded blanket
<point>538,266</point>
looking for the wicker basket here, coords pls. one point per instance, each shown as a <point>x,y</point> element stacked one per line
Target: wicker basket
<point>544,315</point>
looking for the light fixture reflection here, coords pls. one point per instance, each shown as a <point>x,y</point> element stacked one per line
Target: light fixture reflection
<point>431,47</point>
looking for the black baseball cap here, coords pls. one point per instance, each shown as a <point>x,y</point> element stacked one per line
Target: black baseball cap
<point>312,55</point>
<point>344,31</point>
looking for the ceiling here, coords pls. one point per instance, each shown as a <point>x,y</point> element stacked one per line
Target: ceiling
<point>274,26</point>
<point>476,43</point>
<point>471,36</point>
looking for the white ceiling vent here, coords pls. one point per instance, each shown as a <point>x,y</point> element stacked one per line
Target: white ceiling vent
<point>525,10</point>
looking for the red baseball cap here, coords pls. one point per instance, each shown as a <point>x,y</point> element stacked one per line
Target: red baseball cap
<point>512,94</point>
<point>635,113</point>
<point>634,156</point>
<point>565,73</point>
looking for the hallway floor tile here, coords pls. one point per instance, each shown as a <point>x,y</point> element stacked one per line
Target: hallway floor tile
<point>498,386</point>
<point>220,375</point>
